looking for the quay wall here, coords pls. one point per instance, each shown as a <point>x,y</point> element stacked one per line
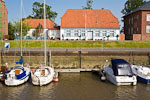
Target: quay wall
<point>74,59</point>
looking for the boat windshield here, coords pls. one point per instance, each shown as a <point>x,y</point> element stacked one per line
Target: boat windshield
<point>124,70</point>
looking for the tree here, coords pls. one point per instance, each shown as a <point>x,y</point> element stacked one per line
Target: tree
<point>130,5</point>
<point>11,31</point>
<point>88,4</point>
<point>38,31</point>
<point>38,12</point>
<point>25,28</point>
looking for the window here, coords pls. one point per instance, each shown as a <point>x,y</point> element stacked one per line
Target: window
<point>129,20</point>
<point>0,24</point>
<point>83,32</point>
<point>0,14</point>
<point>137,17</point>
<point>148,17</point>
<point>124,70</point>
<point>129,31</point>
<point>0,35</point>
<point>148,29</point>
<point>132,30</point>
<point>104,33</point>
<point>76,32</point>
<point>97,33</point>
<point>112,33</point>
<point>132,20</point>
<point>68,32</point>
<point>137,29</point>
<point>0,5</point>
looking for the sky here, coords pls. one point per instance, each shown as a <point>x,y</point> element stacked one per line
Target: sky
<point>60,6</point>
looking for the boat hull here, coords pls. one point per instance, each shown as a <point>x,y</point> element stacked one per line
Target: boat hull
<point>119,80</point>
<point>147,81</point>
<point>141,73</point>
<point>39,80</point>
<point>16,82</point>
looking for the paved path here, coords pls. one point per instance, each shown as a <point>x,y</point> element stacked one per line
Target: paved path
<point>78,49</point>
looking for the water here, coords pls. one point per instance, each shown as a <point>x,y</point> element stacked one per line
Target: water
<point>76,86</point>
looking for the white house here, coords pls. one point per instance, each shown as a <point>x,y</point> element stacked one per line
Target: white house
<point>52,31</point>
<point>89,24</point>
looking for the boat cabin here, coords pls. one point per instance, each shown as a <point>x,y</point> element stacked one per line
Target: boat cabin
<point>121,67</point>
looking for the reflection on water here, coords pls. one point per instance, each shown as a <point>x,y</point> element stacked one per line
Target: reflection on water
<point>126,93</point>
<point>76,86</point>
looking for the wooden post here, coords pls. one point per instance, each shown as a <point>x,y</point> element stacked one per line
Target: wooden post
<point>80,60</point>
<point>48,59</point>
<point>149,58</point>
<point>0,59</point>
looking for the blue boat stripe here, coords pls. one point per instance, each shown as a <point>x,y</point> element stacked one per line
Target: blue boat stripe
<point>143,80</point>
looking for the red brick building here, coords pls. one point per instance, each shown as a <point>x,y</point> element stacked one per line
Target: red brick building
<point>3,20</point>
<point>137,23</point>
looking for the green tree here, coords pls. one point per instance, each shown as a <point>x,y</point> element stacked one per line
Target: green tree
<point>25,28</point>
<point>38,31</point>
<point>11,31</point>
<point>130,5</point>
<point>88,4</point>
<point>38,12</point>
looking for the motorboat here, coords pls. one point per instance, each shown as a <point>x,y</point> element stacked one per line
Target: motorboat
<point>142,73</point>
<point>120,73</point>
<point>17,75</point>
<point>42,76</point>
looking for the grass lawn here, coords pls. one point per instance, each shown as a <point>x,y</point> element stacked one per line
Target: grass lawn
<point>78,44</point>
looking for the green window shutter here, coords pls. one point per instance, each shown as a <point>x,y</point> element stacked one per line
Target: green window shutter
<point>0,24</point>
<point>0,5</point>
<point>0,35</point>
<point>0,14</point>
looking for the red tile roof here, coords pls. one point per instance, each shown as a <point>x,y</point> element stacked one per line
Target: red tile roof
<point>75,18</point>
<point>35,22</point>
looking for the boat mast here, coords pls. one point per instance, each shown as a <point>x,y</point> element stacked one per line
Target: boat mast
<point>21,27</point>
<point>44,33</point>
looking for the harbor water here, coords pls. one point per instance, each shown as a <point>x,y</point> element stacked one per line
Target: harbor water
<point>76,86</point>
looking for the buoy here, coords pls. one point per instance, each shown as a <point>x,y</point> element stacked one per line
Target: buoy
<point>55,79</point>
<point>2,79</point>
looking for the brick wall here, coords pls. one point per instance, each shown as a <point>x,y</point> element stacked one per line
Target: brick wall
<point>146,37</point>
<point>4,19</point>
<point>137,37</point>
<point>122,37</point>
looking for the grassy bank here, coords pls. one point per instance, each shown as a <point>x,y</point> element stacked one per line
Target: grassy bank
<point>79,44</point>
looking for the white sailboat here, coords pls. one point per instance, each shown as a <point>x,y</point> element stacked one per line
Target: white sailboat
<point>142,73</point>
<point>45,74</point>
<point>120,73</point>
<point>19,74</point>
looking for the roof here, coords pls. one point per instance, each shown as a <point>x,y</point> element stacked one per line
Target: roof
<point>89,18</point>
<point>119,61</point>
<point>145,6</point>
<point>35,22</point>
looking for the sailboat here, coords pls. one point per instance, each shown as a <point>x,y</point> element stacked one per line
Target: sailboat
<point>44,74</point>
<point>19,74</point>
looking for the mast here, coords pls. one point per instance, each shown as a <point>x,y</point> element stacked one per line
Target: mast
<point>21,27</point>
<point>44,34</point>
